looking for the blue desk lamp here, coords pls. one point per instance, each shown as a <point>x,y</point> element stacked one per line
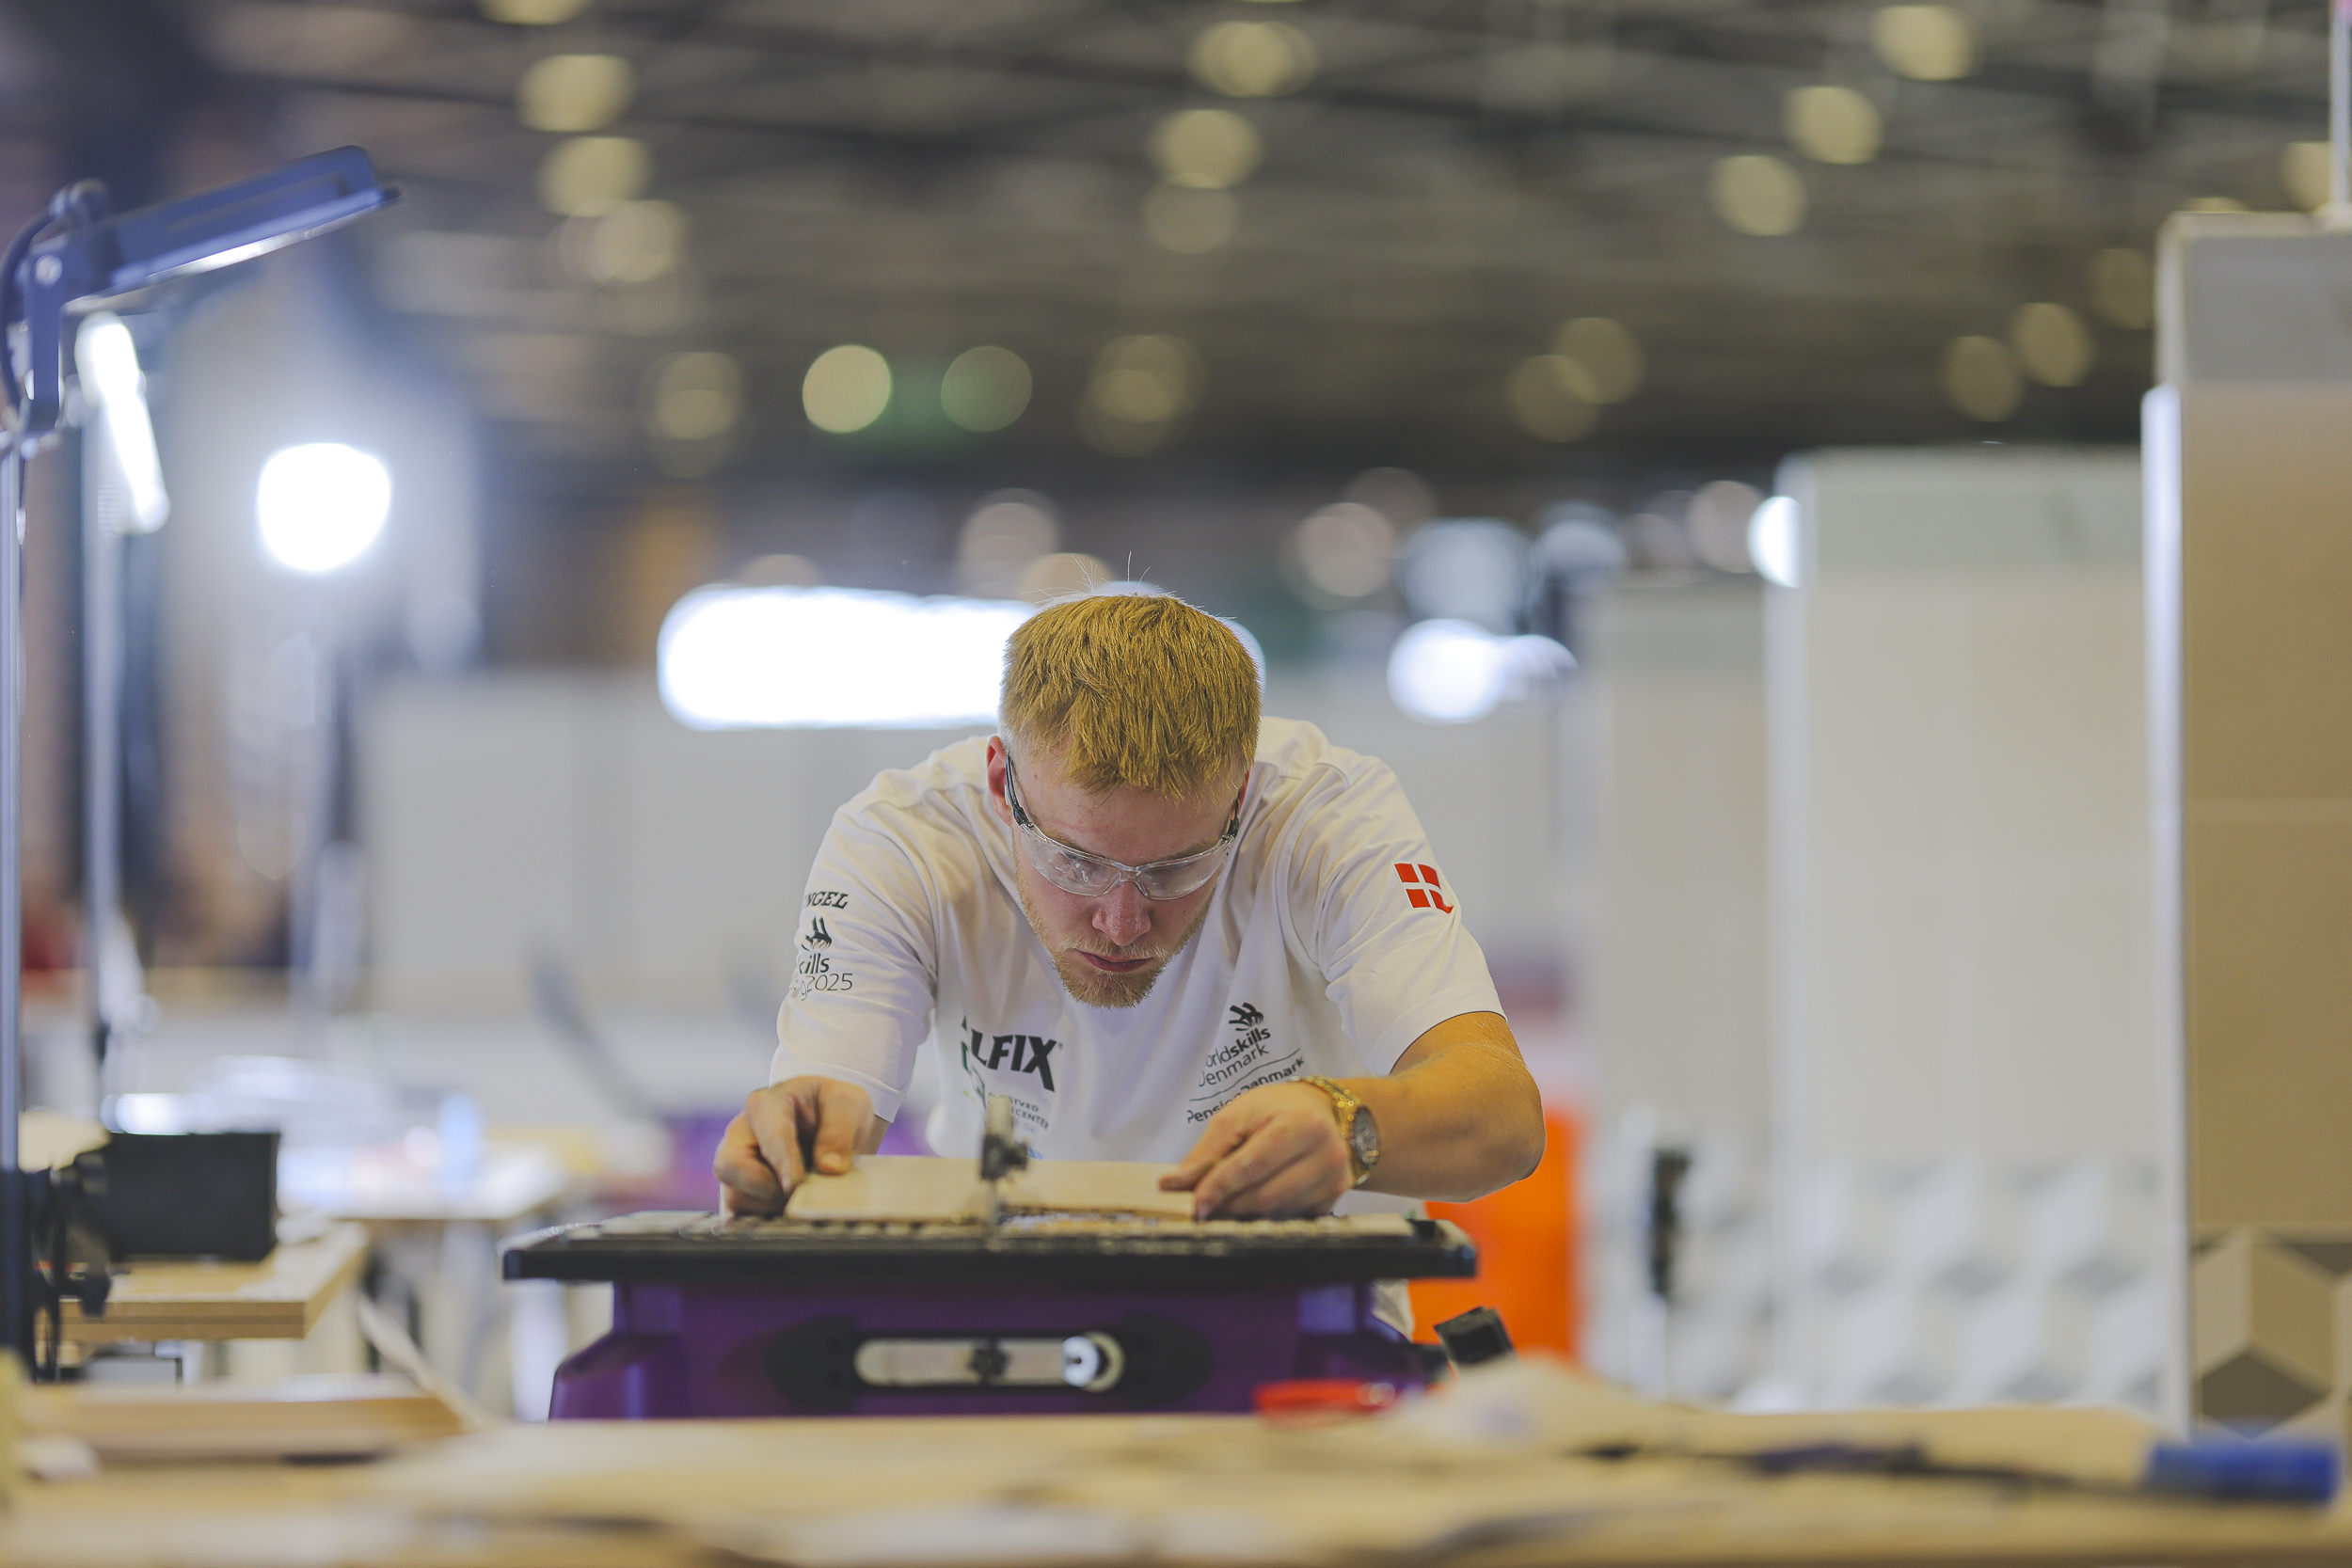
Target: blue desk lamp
<point>73,259</point>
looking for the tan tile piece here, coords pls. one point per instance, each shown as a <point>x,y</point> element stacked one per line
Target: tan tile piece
<point>2293,1316</point>
<point>2221,1312</point>
<point>2268,953</point>
<point>2265,557</point>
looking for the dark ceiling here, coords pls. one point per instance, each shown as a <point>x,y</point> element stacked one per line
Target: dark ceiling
<point>922,176</point>
<point>926,175</point>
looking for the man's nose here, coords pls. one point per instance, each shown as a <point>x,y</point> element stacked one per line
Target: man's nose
<point>1121,914</point>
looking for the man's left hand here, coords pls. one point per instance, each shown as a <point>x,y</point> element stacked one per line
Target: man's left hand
<point>1272,1152</point>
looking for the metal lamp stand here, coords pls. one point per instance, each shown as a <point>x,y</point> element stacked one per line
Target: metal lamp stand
<point>16,1184</point>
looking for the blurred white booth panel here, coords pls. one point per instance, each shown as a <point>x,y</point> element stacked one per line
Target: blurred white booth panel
<point>1967,1064</point>
<point>1680,1011</point>
<point>512,814</point>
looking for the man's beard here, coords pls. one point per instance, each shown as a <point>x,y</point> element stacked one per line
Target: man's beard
<point>1095,987</point>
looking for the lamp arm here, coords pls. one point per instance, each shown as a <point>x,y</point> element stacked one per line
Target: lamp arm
<point>78,205</point>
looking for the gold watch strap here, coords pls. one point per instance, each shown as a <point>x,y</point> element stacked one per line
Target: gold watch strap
<point>1344,1107</point>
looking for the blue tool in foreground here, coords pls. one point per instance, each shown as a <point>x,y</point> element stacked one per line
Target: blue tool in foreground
<point>2267,1469</point>
<point>2224,1469</point>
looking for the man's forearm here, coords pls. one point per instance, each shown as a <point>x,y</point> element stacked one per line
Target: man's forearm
<point>1460,1116</point>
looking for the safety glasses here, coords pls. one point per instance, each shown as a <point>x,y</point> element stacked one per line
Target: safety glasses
<point>1092,876</point>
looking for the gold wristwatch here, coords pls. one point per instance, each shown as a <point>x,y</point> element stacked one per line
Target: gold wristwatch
<point>1357,1131</point>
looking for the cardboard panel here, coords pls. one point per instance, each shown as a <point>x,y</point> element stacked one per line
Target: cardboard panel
<point>2268,968</point>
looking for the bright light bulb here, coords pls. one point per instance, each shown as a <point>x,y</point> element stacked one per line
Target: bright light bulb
<point>322,505</point>
<point>1772,540</point>
<point>108,362</point>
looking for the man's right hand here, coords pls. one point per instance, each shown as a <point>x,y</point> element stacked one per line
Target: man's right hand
<point>786,1131</point>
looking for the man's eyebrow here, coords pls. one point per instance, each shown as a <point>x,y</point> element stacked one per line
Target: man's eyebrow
<point>1232,814</point>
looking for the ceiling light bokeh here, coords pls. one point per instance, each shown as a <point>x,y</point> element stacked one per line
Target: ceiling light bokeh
<point>694,397</point>
<point>1141,385</point>
<point>1755,193</point>
<point>1252,60</point>
<point>588,175</point>
<point>1474,569</point>
<point>1926,43</point>
<point>2053,345</point>
<point>1553,398</point>
<point>1609,353</point>
<point>1718,522</point>
<point>1345,550</point>
<point>1205,149</point>
<point>633,242</point>
<point>846,388</point>
<point>1661,537</point>
<point>1831,124</point>
<point>533,13</point>
<point>574,92</point>
<point>2303,171</point>
<point>985,388</point>
<point>1980,376</point>
<point>1580,548</point>
<point>1141,394</point>
<point>1005,533</point>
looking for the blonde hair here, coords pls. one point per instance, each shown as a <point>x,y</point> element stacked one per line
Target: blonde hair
<point>1139,690</point>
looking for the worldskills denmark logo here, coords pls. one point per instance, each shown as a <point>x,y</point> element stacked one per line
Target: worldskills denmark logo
<point>1422,887</point>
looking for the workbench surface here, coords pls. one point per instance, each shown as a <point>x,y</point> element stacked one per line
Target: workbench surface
<point>827,1494</point>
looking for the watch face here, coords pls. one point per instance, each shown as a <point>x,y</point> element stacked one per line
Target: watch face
<point>1363,1137</point>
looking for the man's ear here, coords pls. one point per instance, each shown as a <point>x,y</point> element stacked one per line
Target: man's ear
<point>996,755</point>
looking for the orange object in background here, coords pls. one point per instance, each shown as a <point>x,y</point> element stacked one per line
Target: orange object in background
<point>1526,1252</point>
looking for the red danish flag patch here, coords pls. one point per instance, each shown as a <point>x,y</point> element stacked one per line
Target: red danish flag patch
<point>1422,887</point>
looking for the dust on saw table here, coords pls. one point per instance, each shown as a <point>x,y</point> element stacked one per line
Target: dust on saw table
<point>1073,1250</point>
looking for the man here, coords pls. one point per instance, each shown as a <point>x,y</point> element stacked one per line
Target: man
<point>1164,932</point>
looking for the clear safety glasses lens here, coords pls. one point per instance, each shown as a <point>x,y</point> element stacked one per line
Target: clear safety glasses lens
<point>1091,876</point>
<point>1074,871</point>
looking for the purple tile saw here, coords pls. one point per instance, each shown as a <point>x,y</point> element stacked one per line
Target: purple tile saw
<point>1018,1314</point>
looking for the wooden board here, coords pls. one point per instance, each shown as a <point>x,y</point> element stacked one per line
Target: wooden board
<point>918,1189</point>
<point>279,1298</point>
<point>305,1417</point>
<point>1095,1187</point>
